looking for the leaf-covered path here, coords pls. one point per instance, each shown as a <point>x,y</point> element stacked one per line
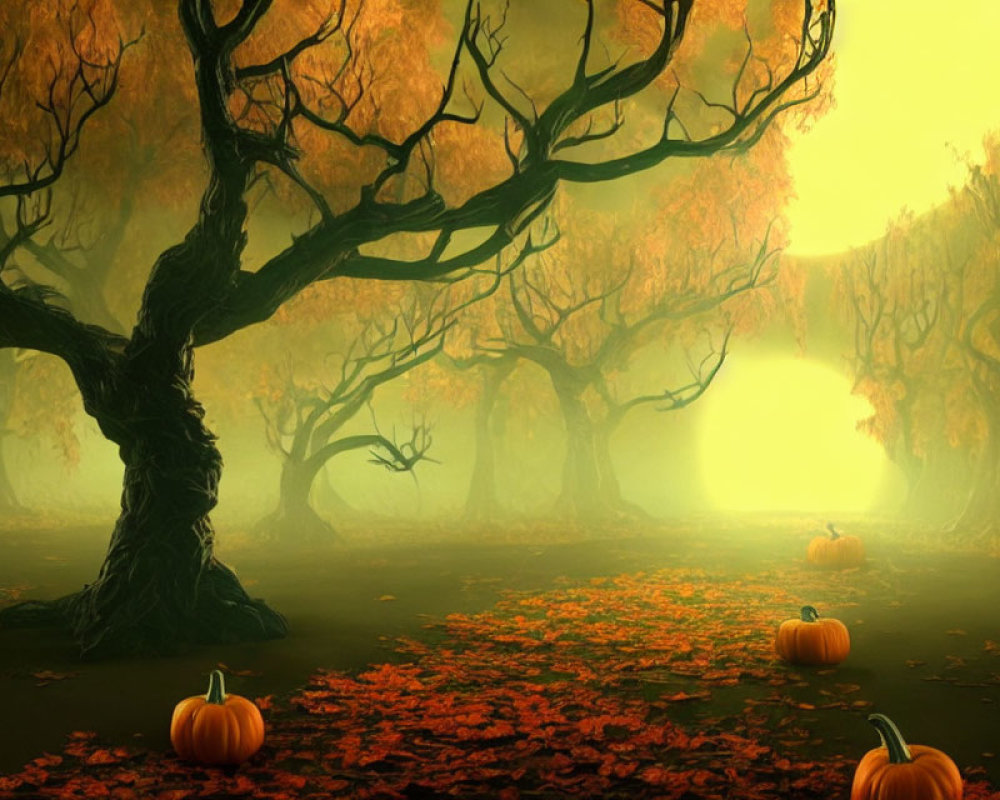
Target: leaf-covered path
<point>658,683</point>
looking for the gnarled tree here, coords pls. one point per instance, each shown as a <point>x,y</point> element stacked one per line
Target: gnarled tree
<point>305,419</point>
<point>160,584</point>
<point>585,334</point>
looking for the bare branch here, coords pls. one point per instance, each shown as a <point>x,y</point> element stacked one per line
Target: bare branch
<point>332,247</point>
<point>403,457</point>
<point>748,122</point>
<point>88,88</point>
<point>31,215</point>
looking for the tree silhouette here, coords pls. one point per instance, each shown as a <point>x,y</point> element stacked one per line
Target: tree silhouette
<point>582,334</point>
<point>894,296</point>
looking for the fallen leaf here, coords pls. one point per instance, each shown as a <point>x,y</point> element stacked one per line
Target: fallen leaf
<point>239,672</point>
<point>46,676</point>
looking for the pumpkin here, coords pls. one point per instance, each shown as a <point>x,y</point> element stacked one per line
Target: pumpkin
<point>898,771</point>
<point>811,640</point>
<point>836,551</point>
<point>216,728</point>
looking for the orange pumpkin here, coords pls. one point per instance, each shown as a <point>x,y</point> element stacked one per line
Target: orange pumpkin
<point>216,728</point>
<point>811,640</point>
<point>897,771</point>
<point>835,551</point>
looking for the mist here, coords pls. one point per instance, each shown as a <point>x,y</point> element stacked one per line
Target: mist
<point>493,400</point>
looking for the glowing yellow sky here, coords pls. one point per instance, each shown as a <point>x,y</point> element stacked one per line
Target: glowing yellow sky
<point>778,434</point>
<point>913,80</point>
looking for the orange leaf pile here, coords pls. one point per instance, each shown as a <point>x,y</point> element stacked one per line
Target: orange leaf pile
<point>590,690</point>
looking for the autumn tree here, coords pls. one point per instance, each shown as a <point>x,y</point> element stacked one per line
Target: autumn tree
<point>492,371</point>
<point>974,295</point>
<point>70,239</point>
<point>898,296</point>
<point>479,312</point>
<point>923,304</point>
<point>584,310</point>
<point>267,98</point>
<point>305,418</point>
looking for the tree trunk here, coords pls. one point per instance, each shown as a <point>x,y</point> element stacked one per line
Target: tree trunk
<point>294,520</point>
<point>610,488</point>
<point>481,502</point>
<point>160,586</point>
<point>328,500</point>
<point>580,496</point>
<point>914,469</point>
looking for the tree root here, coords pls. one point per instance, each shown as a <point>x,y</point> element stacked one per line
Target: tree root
<point>304,526</point>
<point>108,619</point>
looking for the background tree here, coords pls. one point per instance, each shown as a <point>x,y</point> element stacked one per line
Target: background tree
<point>923,305</point>
<point>160,584</point>
<point>305,419</point>
<point>493,369</point>
<point>37,406</point>
<point>975,296</point>
<point>585,334</point>
<point>619,287</point>
<point>906,356</point>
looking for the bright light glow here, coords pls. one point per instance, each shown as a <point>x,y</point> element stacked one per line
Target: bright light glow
<point>913,85</point>
<point>780,435</point>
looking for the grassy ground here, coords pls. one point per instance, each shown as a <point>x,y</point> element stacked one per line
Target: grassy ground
<point>661,632</point>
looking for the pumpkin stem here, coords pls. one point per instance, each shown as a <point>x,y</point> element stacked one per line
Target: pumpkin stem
<point>809,614</point>
<point>833,531</point>
<point>216,688</point>
<point>892,739</point>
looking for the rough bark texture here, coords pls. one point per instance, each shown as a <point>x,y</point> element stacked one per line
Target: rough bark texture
<point>160,586</point>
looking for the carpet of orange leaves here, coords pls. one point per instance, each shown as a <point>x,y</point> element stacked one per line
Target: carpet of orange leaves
<point>574,692</point>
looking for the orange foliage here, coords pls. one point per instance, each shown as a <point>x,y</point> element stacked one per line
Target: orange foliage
<point>56,39</point>
<point>469,159</point>
<point>381,75</point>
<point>929,340</point>
<point>711,219</point>
<point>435,385</point>
<point>576,691</point>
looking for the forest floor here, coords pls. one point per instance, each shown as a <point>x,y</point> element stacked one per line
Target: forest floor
<point>537,661</point>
